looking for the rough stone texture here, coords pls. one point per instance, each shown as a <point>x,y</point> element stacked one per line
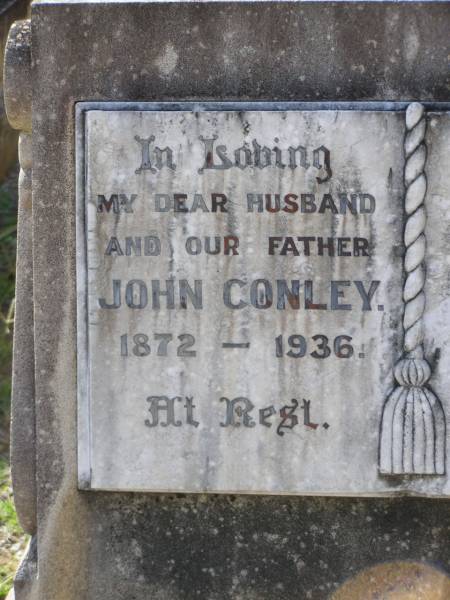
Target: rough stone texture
<point>10,11</point>
<point>23,435</point>
<point>26,573</point>
<point>17,76</point>
<point>114,546</point>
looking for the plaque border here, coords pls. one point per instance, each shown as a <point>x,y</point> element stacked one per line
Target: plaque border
<point>84,432</point>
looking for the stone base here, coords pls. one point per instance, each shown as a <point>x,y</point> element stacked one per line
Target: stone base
<point>26,573</point>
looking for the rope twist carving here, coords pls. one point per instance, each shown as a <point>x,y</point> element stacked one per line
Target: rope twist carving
<point>414,237</point>
<point>412,439</point>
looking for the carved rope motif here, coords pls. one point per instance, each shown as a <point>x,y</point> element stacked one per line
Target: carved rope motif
<point>412,435</point>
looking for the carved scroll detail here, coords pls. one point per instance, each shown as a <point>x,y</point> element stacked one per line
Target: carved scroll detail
<point>412,435</point>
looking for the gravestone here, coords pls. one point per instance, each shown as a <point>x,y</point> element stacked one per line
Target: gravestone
<point>232,298</point>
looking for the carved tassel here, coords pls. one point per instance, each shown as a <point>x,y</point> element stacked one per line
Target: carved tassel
<point>412,435</point>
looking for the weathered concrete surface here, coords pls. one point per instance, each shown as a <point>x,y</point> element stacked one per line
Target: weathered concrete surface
<point>257,50</point>
<point>106,545</point>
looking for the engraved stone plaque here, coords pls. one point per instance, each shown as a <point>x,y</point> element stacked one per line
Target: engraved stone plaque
<point>262,299</point>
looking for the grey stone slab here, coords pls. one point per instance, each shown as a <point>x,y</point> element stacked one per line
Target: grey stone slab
<point>259,50</point>
<point>331,378</point>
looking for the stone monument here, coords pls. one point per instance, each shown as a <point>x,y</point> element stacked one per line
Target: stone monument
<point>231,343</point>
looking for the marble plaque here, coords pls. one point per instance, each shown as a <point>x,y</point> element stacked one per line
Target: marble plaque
<point>262,302</point>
